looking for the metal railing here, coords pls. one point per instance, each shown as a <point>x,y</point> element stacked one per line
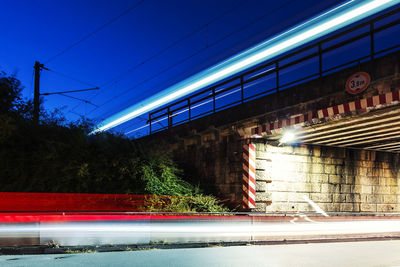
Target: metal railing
<point>205,101</point>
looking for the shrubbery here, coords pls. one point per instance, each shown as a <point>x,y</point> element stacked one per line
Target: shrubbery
<point>196,203</point>
<point>56,156</point>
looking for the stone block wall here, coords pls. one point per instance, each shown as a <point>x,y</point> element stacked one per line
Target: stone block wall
<point>336,179</point>
<point>214,162</point>
<point>210,149</point>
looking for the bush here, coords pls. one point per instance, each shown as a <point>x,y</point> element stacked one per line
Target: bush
<point>206,203</point>
<point>160,174</point>
<point>198,203</point>
<point>57,156</point>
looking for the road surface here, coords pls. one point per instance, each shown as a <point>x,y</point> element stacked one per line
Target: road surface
<point>368,253</point>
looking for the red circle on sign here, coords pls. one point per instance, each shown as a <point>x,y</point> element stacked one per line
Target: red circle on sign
<point>357,82</point>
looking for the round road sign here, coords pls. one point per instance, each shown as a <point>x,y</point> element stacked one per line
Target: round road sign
<point>357,82</point>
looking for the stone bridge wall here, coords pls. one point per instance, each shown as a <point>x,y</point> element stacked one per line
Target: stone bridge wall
<point>214,162</point>
<point>336,179</point>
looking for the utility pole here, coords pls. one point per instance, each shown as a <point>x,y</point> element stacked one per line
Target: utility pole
<point>36,96</point>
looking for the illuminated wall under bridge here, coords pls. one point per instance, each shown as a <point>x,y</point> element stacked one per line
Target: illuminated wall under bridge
<point>335,179</point>
<point>288,178</point>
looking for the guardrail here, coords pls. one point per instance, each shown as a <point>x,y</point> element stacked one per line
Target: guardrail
<point>314,61</point>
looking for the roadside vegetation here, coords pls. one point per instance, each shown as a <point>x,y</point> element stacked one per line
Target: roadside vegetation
<point>60,156</point>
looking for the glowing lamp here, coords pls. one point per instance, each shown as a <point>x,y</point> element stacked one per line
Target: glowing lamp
<point>288,137</point>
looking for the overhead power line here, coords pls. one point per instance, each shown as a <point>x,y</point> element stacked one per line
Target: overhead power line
<point>162,51</point>
<point>71,78</point>
<point>38,68</point>
<point>80,99</point>
<point>165,49</point>
<point>194,54</point>
<point>87,36</point>
<point>71,91</point>
<point>311,30</point>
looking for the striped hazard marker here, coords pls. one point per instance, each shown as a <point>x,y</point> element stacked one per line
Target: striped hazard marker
<point>361,105</point>
<point>249,176</point>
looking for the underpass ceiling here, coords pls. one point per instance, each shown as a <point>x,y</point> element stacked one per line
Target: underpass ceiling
<point>375,130</point>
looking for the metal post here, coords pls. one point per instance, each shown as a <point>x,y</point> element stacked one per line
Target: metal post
<point>189,109</point>
<point>277,75</point>
<point>372,40</point>
<point>36,96</point>
<point>169,119</point>
<point>372,31</point>
<point>241,88</point>
<point>320,59</point>
<point>149,123</point>
<point>213,93</point>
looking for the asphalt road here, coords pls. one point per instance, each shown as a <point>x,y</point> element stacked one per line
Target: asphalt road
<point>368,253</point>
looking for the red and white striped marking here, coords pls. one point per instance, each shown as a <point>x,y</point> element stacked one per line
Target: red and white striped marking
<point>279,124</point>
<point>249,176</point>
<point>359,105</point>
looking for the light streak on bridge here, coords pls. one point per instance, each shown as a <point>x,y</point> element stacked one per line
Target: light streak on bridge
<point>334,19</point>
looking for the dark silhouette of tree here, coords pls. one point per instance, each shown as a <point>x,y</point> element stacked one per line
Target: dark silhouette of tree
<point>59,156</point>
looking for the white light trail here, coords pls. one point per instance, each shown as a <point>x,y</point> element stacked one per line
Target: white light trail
<point>315,206</point>
<point>200,230</point>
<point>182,111</point>
<point>310,30</point>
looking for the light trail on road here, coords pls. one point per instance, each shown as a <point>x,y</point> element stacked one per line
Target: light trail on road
<point>103,229</point>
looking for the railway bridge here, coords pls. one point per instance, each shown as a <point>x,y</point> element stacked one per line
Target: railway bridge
<point>302,133</point>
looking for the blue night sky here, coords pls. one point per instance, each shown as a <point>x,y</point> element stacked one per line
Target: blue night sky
<point>120,57</point>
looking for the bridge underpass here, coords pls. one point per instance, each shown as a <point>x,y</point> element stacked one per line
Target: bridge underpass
<point>375,131</point>
<point>345,157</point>
<point>374,126</point>
<point>343,117</point>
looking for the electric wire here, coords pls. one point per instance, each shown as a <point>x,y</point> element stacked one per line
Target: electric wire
<point>80,99</point>
<point>162,51</point>
<point>87,36</point>
<point>71,78</point>
<point>173,44</point>
<point>193,55</point>
<point>62,94</point>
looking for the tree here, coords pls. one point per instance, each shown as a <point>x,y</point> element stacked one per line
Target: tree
<point>58,156</point>
<point>10,93</point>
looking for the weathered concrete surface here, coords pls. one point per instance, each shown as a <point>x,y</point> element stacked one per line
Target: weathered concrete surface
<point>214,160</point>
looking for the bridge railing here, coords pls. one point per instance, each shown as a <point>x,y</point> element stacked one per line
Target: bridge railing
<point>351,46</point>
